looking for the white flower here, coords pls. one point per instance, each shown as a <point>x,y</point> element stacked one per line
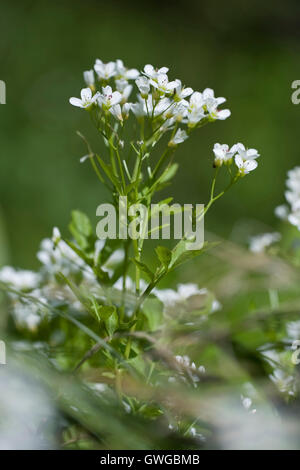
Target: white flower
<point>249,154</point>
<point>120,113</point>
<point>282,212</point>
<point>178,110</point>
<point>284,381</point>
<point>89,78</point>
<point>27,316</point>
<point>138,109</point>
<point>222,154</point>
<point>211,104</point>
<point>244,166</point>
<point>259,243</point>
<point>56,236</point>
<point>109,98</point>
<point>178,138</point>
<point>195,109</point>
<point>105,71</point>
<point>59,258</point>
<point>153,73</point>
<point>116,111</point>
<point>181,92</point>
<point>125,111</point>
<point>143,85</point>
<point>145,106</point>
<point>162,83</point>
<point>170,297</point>
<point>294,218</point>
<point>123,72</point>
<point>20,279</point>
<point>124,88</point>
<point>87,98</point>
<point>291,212</point>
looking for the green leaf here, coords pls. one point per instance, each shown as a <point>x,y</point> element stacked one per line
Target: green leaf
<point>81,228</point>
<point>109,173</point>
<point>143,268</point>
<point>164,255</point>
<point>169,173</point>
<point>153,311</point>
<point>112,323</point>
<point>105,311</point>
<point>180,253</point>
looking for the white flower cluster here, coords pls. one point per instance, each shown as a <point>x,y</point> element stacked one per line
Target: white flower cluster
<point>259,243</point>
<point>171,297</point>
<point>19,279</point>
<point>187,363</point>
<point>291,211</point>
<point>245,159</point>
<point>164,102</point>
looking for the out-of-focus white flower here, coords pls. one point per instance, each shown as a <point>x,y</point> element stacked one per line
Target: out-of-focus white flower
<point>116,111</point>
<point>87,98</point>
<point>259,243</point>
<point>284,381</point>
<point>178,138</point>
<point>56,236</point>
<point>123,72</point>
<point>89,78</point>
<point>129,284</point>
<point>247,404</point>
<point>293,329</point>
<point>143,85</point>
<point>59,258</point>
<point>109,98</point>
<point>282,212</point>
<point>291,213</point>
<point>105,71</point>
<point>245,166</point>
<point>171,297</point>
<point>162,84</point>
<point>222,154</point>
<point>186,362</point>
<point>19,279</point>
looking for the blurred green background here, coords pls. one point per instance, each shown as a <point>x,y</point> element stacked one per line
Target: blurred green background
<point>247,51</point>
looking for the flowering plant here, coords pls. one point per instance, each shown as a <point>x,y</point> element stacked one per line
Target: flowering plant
<point>104,288</point>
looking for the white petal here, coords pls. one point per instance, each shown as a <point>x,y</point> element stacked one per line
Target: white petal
<point>149,69</point>
<point>76,102</point>
<point>86,94</point>
<point>250,165</point>
<point>224,114</point>
<point>116,98</point>
<point>186,92</point>
<point>239,161</point>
